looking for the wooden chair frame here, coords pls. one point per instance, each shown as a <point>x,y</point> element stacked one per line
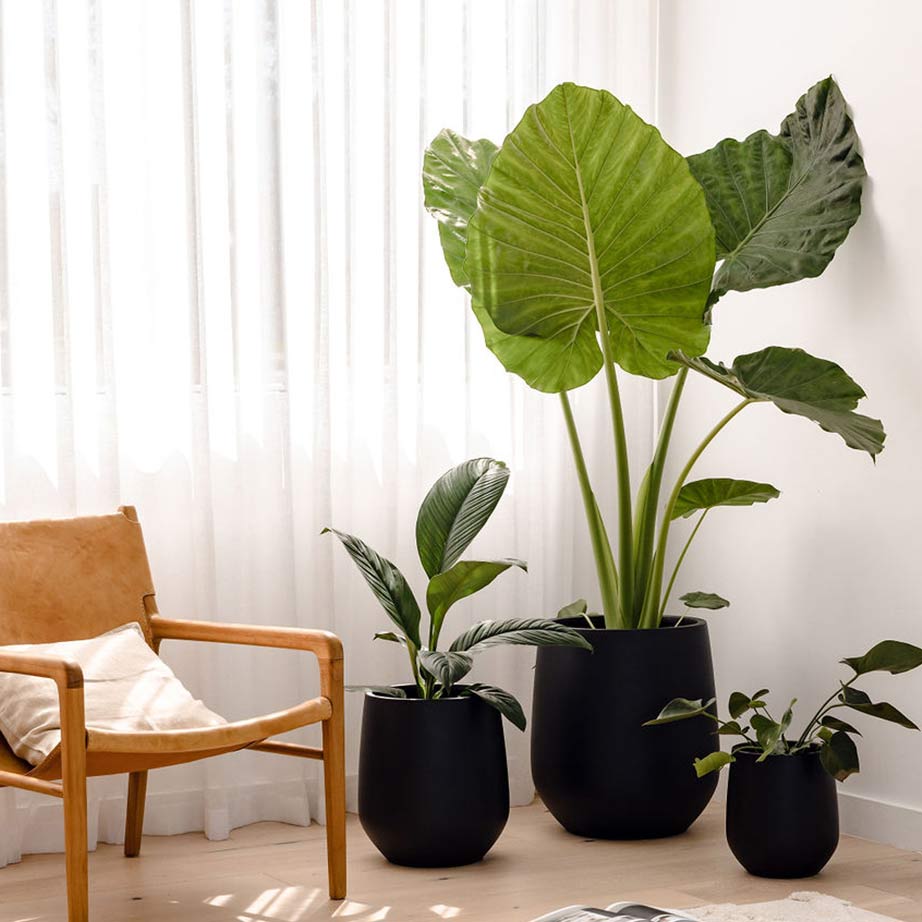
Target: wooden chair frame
<point>86,751</point>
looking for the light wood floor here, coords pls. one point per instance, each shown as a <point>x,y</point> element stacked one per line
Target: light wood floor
<point>275,873</point>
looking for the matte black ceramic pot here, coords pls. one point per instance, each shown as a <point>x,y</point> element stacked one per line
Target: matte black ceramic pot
<point>599,771</point>
<point>433,783</point>
<point>782,814</point>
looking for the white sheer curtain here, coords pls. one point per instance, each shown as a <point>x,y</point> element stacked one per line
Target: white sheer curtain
<point>220,301</point>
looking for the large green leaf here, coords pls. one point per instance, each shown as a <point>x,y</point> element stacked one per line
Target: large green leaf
<point>386,582</point>
<point>531,632</point>
<point>799,383</point>
<point>680,709</point>
<point>586,199</point>
<point>455,509</point>
<point>447,668</point>
<point>454,169</point>
<point>782,204</point>
<point>891,656</point>
<point>500,699</point>
<point>721,491</point>
<point>465,578</point>
<point>860,701</point>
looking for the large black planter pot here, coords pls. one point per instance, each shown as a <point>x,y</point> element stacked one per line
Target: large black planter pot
<point>782,814</point>
<point>599,771</point>
<point>433,783</point>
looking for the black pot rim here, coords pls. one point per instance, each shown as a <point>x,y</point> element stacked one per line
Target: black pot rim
<point>408,686</point>
<point>745,753</point>
<point>579,623</point>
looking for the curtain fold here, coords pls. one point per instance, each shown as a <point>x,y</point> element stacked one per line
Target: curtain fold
<point>221,302</point>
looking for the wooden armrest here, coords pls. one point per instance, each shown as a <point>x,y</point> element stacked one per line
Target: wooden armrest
<point>324,645</point>
<point>66,672</point>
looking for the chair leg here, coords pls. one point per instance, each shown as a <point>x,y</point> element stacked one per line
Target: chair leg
<point>134,819</point>
<point>334,781</point>
<point>73,758</point>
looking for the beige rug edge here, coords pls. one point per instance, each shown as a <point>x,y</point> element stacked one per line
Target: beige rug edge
<point>803,906</point>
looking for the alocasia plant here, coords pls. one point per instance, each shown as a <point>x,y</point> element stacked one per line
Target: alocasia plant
<point>587,243</point>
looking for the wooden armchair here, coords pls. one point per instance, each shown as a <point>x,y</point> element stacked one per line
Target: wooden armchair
<point>71,579</point>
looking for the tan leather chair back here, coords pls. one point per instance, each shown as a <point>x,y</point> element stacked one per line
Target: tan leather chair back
<point>68,579</point>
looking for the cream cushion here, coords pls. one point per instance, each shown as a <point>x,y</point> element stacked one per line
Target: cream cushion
<point>127,687</point>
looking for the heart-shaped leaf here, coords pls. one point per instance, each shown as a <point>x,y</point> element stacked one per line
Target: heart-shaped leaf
<point>731,728</point>
<point>502,700</point>
<point>833,723</point>
<point>586,203</point>
<point>712,763</point>
<point>446,668</point>
<point>531,632</point>
<point>738,704</point>
<point>454,169</point>
<point>579,607</point>
<point>721,491</point>
<point>891,656</point>
<point>454,510</point>
<point>839,756</point>
<point>680,709</point>
<point>386,582</point>
<point>859,701</point>
<point>799,383</point>
<point>708,600</point>
<point>782,205</point>
<point>384,691</point>
<point>465,578</point>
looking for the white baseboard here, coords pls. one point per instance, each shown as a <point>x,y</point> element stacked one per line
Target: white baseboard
<point>880,821</point>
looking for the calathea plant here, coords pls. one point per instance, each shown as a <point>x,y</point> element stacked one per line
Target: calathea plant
<point>452,514</point>
<point>759,732</point>
<point>588,244</point>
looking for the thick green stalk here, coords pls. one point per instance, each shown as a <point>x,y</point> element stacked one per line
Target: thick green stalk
<point>651,609</point>
<point>648,497</point>
<point>678,565</point>
<point>820,712</point>
<point>601,548</point>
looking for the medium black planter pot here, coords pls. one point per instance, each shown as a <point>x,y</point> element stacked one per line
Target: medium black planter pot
<point>782,814</point>
<point>433,783</point>
<point>599,771</point>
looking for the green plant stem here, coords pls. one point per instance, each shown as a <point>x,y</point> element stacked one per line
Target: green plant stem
<point>601,548</point>
<point>675,569</point>
<point>822,710</point>
<point>650,617</point>
<point>414,665</point>
<point>623,472</point>
<point>648,497</point>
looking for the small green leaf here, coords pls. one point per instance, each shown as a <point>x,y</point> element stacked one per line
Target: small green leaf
<point>455,509</point>
<point>532,632</point>
<point>825,734</point>
<point>708,600</point>
<point>385,691</point>
<point>731,728</point>
<point>463,579</point>
<point>721,491</point>
<point>840,756</point>
<point>891,656</point>
<point>680,709</point>
<point>833,723</point>
<point>768,733</point>
<point>386,582</point>
<point>504,702</point>
<point>446,668</point>
<point>800,384</point>
<point>739,704</point>
<point>712,763</point>
<point>391,636</point>
<point>579,607</point>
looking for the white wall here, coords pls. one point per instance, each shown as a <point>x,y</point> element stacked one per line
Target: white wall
<point>834,565</point>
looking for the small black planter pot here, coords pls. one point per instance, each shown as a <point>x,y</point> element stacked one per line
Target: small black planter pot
<point>782,814</point>
<point>433,783</point>
<point>599,771</point>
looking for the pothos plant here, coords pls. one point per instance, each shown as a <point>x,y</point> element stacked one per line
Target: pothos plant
<point>452,514</point>
<point>588,244</point>
<point>759,732</point>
